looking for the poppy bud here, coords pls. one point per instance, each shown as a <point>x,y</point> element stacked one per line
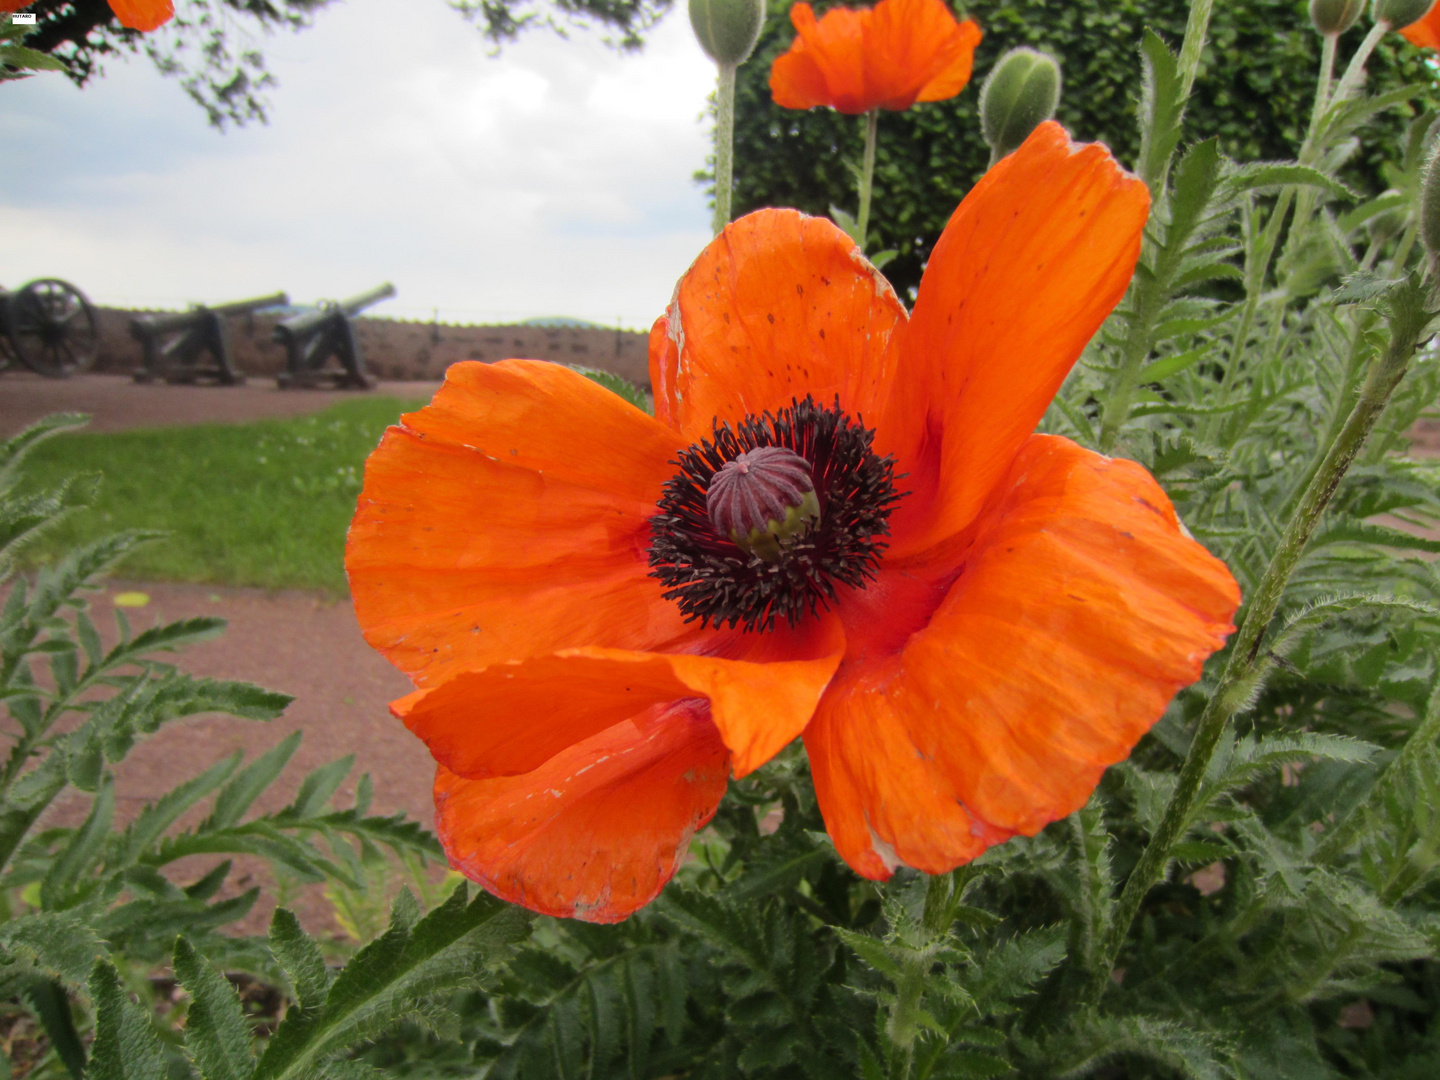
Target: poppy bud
<point>762,498</point>
<point>1401,12</point>
<point>1019,94</point>
<point>1335,16</point>
<point>1430,213</point>
<point>727,29</point>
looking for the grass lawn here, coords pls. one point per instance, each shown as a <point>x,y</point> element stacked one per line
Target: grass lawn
<point>264,504</point>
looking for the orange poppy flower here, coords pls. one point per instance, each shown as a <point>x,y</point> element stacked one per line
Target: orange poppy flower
<point>887,57</point>
<point>973,622</point>
<point>1425,32</point>
<point>135,14</point>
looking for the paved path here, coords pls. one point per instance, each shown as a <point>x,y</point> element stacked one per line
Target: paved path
<point>116,402</point>
<point>295,642</point>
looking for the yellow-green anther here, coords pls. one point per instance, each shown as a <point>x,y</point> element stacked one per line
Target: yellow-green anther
<point>727,29</point>
<point>767,543</point>
<point>1020,93</point>
<point>1335,16</point>
<point>1400,13</point>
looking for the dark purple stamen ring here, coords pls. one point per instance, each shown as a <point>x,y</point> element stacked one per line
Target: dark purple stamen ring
<point>717,582</point>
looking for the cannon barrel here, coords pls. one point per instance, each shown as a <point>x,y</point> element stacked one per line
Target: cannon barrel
<point>357,304</point>
<point>245,307</point>
<point>170,321</point>
<point>300,325</point>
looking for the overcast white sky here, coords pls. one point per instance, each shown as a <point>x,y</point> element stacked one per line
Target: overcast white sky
<point>554,179</point>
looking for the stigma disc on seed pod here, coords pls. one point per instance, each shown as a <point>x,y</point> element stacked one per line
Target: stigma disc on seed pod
<point>762,500</point>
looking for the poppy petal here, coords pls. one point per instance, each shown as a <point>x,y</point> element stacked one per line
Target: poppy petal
<point>510,518</point>
<point>915,46</point>
<point>1426,31</point>
<point>596,831</point>
<point>959,65</point>
<point>1027,269</point>
<point>885,57</point>
<point>143,14</point>
<point>1081,608</point>
<point>825,65</point>
<point>511,718</point>
<point>780,305</point>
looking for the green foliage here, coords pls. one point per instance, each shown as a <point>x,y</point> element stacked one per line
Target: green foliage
<point>264,504</point>
<point>624,387</point>
<point>1254,91</point>
<point>17,60</point>
<point>1254,894</point>
<point>90,901</point>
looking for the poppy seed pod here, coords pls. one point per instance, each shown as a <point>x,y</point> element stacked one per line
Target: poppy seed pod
<point>1401,12</point>
<point>1335,16</point>
<point>1020,93</point>
<point>727,29</point>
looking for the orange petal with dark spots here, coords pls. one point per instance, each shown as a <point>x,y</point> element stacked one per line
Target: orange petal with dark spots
<point>597,830</point>
<point>1080,608</point>
<point>1027,269</point>
<point>778,306</point>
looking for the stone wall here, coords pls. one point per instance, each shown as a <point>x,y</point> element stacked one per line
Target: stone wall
<point>404,351</point>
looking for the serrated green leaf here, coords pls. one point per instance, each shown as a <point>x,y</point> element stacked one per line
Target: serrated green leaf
<point>317,788</point>
<point>390,977</point>
<point>79,857</point>
<point>299,957</point>
<point>241,792</point>
<point>1260,175</point>
<point>60,945</point>
<point>217,1036</point>
<point>150,824</point>
<point>1172,365</point>
<point>14,449</point>
<point>1162,105</point>
<point>126,1047</point>
<point>618,385</point>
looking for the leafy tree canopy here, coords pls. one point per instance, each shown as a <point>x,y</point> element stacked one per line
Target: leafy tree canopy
<point>210,44</point>
<point>1255,91</point>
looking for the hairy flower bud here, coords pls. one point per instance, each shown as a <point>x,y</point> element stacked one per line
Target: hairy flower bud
<point>1430,213</point>
<point>1020,93</point>
<point>762,498</point>
<point>727,29</point>
<point>1401,12</point>
<point>1335,16</point>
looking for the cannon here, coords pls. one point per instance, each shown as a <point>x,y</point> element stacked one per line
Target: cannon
<point>50,327</point>
<point>175,341</point>
<point>314,337</point>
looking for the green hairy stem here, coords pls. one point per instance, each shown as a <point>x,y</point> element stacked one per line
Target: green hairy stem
<point>1241,680</point>
<point>724,146</point>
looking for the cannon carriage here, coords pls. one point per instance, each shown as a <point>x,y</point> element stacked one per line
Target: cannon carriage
<point>314,337</point>
<point>175,343</point>
<point>49,326</point>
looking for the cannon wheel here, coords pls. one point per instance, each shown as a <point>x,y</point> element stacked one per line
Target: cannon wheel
<point>52,328</point>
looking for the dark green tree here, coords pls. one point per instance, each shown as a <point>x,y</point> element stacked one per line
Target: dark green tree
<point>209,48</point>
<point>1254,91</point>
